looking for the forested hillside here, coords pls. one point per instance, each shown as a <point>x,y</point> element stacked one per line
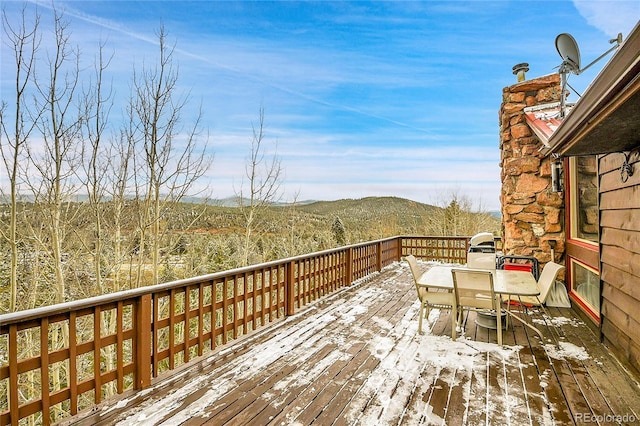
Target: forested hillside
<point>198,239</point>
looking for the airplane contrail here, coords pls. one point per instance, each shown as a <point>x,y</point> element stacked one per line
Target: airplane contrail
<point>113,26</point>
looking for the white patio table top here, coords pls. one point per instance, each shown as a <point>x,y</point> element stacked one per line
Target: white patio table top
<point>505,282</point>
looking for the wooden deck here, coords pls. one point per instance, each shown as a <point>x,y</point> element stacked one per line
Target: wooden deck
<point>356,358</point>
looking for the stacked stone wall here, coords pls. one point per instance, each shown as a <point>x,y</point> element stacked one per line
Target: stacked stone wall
<point>532,215</point>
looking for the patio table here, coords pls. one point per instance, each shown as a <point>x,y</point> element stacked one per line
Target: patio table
<point>512,283</point>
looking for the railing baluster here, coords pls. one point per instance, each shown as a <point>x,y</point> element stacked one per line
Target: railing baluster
<point>119,347</point>
<point>225,307</point>
<point>97,345</point>
<point>201,319</point>
<point>245,302</point>
<point>142,356</point>
<point>263,303</point>
<point>44,369</point>
<point>349,262</point>
<point>234,310</point>
<point>290,289</point>
<point>185,331</point>
<point>172,319</point>
<point>13,374</point>
<point>213,314</point>
<point>155,333</point>
<point>73,361</point>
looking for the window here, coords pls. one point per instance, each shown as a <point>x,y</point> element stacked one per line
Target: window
<point>582,244</point>
<point>585,285</point>
<point>584,198</point>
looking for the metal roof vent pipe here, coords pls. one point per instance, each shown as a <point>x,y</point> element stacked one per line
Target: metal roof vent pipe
<point>519,71</point>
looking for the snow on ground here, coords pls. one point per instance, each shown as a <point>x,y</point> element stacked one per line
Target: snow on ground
<point>387,389</point>
<point>558,321</point>
<point>407,361</point>
<point>566,350</point>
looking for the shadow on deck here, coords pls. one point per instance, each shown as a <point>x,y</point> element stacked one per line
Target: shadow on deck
<point>356,358</point>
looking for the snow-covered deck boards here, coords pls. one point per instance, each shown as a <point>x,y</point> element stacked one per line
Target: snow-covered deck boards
<point>356,358</point>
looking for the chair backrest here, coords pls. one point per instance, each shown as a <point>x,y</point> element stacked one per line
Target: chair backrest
<point>481,260</point>
<point>517,262</point>
<point>474,288</point>
<point>547,279</point>
<point>413,265</point>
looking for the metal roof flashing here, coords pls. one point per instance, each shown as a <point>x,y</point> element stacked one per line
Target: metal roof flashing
<point>543,120</point>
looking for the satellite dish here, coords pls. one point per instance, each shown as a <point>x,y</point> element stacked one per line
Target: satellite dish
<point>568,49</point>
<point>569,52</point>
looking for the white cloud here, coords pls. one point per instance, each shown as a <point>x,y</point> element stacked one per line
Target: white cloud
<point>610,17</point>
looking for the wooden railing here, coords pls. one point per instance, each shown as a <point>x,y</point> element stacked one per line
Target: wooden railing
<point>90,349</point>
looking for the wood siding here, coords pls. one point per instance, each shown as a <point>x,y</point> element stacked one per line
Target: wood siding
<point>620,256</point>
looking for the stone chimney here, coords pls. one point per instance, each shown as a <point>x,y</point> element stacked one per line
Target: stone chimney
<point>532,215</point>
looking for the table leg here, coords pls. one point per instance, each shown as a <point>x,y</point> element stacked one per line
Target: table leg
<point>514,316</point>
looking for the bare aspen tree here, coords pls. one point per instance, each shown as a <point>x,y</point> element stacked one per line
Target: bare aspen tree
<point>172,159</point>
<point>264,176</point>
<point>16,126</point>
<point>57,159</point>
<point>97,167</point>
<point>16,132</point>
<point>97,102</point>
<point>55,163</point>
<point>120,156</point>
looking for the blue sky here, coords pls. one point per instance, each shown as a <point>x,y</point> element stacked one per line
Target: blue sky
<point>361,98</point>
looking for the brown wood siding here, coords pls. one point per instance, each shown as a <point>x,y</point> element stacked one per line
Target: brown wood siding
<point>620,256</point>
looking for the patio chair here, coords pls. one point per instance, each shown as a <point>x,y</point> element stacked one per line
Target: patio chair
<point>519,263</point>
<point>547,286</point>
<point>478,260</point>
<point>474,291</point>
<point>434,298</point>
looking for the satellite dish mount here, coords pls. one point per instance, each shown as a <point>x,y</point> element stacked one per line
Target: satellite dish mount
<point>568,49</point>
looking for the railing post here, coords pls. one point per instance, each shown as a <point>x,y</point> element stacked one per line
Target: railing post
<point>13,375</point>
<point>349,272</point>
<point>290,288</point>
<point>379,256</point>
<point>143,342</point>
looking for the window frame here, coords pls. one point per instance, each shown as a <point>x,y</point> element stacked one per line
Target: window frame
<point>587,307</point>
<point>581,251</point>
<point>574,203</point>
